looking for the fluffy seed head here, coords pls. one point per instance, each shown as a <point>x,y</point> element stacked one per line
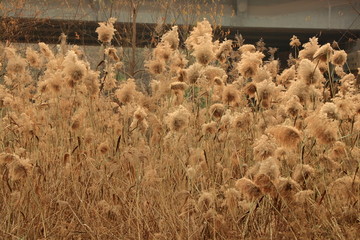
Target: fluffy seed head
<point>309,49</point>
<point>178,86</point>
<point>241,120</point>
<point>304,197</point>
<point>322,128</point>
<point>206,201</point>
<point>248,189</point>
<point>230,95</point>
<point>193,72</point>
<point>345,190</point>
<point>287,188</point>
<point>265,184</point>
<point>250,89</point>
<point>172,37</point>
<point>294,41</point>
<point>217,110</point>
<point>19,169</point>
<point>302,172</point>
<point>224,51</point>
<point>293,107</point>
<point>126,92</point>
<point>16,65</point>
<point>106,30</point>
<point>204,53</point>
<point>163,51</point>
<point>178,120</point>
<point>250,63</point>
<point>112,53</point>
<point>103,147</point>
<point>286,136</point>
<point>208,128</point>
<point>247,48</point>
<point>155,66</point>
<point>73,67</point>
<point>286,77</point>
<point>45,51</point>
<point>339,58</point>
<point>309,73</point>
<point>329,109</point>
<point>201,33</point>
<point>33,58</point>
<point>324,53</point>
<point>270,167</point>
<point>264,147</point>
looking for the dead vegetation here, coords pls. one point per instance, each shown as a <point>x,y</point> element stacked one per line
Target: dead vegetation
<point>220,149</point>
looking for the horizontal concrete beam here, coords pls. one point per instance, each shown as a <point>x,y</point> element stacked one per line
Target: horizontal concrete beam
<point>83,33</point>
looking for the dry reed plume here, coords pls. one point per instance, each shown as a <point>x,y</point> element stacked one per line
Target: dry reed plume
<point>252,153</point>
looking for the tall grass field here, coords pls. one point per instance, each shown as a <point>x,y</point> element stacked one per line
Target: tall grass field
<point>224,143</point>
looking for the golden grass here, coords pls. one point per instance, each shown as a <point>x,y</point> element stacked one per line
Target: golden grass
<point>219,150</point>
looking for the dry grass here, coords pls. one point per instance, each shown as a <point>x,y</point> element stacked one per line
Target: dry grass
<point>219,150</point>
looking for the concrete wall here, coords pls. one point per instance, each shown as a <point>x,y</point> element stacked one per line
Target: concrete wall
<point>311,14</point>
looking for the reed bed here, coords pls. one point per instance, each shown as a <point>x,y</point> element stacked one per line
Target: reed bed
<point>223,145</point>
